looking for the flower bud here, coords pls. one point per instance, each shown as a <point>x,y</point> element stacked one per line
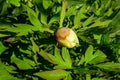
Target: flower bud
<point>66,37</point>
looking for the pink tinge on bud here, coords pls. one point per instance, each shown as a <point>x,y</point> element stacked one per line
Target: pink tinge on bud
<point>61,33</point>
<point>66,37</point>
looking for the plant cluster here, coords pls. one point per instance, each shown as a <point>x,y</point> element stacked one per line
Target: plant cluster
<point>29,50</point>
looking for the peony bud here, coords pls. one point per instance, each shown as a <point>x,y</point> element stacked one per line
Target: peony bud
<point>66,37</point>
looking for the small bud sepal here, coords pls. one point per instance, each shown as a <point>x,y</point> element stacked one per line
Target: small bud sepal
<point>66,37</point>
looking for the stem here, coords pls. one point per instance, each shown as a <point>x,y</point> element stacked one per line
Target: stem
<point>63,12</point>
<point>88,77</point>
<point>50,31</point>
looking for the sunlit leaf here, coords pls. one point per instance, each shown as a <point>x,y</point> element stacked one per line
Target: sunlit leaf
<point>98,57</point>
<point>89,54</point>
<point>88,21</point>
<point>80,15</point>
<point>2,48</point>
<point>35,48</point>
<point>58,57</point>
<point>33,16</point>
<point>110,66</point>
<point>46,3</point>
<point>43,18</point>
<point>66,57</point>
<point>21,64</point>
<point>53,75</point>
<point>22,29</point>
<point>100,24</point>
<point>55,18</point>
<point>5,75</point>
<point>15,2</point>
<point>47,56</point>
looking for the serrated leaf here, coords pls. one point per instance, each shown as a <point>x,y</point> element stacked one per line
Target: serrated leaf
<point>47,57</point>
<point>58,57</point>
<point>100,24</point>
<point>15,2</point>
<point>97,37</point>
<point>54,19</point>
<point>68,77</point>
<point>2,48</point>
<point>46,3</point>
<point>22,29</point>
<point>35,48</point>
<point>80,15</point>
<point>8,77</point>
<point>2,68</point>
<point>43,18</point>
<point>88,21</point>
<point>82,60</point>
<point>66,57</point>
<point>4,74</point>
<point>71,11</point>
<point>33,17</point>
<point>109,66</point>
<point>89,54</point>
<point>21,64</point>
<point>98,57</point>
<point>52,75</point>
<point>30,62</point>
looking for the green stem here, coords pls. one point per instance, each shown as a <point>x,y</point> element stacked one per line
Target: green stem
<point>88,77</point>
<point>50,31</point>
<point>63,12</point>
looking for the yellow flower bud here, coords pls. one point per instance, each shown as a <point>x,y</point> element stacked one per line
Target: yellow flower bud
<point>66,37</point>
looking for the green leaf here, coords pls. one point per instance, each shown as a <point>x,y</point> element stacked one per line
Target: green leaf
<point>109,66</point>
<point>33,17</point>
<point>68,77</point>
<point>88,21</point>
<point>58,57</point>
<point>4,25</point>
<point>109,12</point>
<point>47,3</point>
<point>55,18</point>
<point>98,79</point>
<point>29,61</point>
<point>66,57</point>
<point>47,56</point>
<point>80,15</point>
<point>2,48</point>
<point>101,24</point>
<point>98,57</point>
<point>15,2</point>
<point>97,37</point>
<point>4,74</point>
<point>2,68</point>
<point>21,64</point>
<point>71,11</point>
<point>82,60</point>
<point>22,29</point>
<point>35,48</point>
<point>89,54</point>
<point>4,35</point>
<point>8,77</point>
<point>43,18</point>
<point>105,39</point>
<point>53,75</point>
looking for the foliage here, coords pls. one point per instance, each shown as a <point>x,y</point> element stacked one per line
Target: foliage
<point>29,50</point>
